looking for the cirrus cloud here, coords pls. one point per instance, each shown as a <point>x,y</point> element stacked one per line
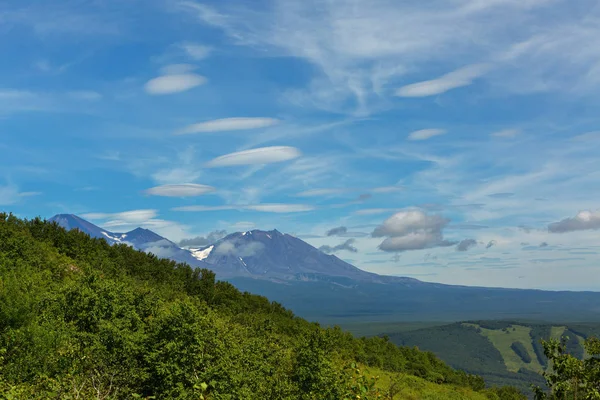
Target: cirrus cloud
<point>262,155</point>
<point>228,124</point>
<point>180,190</point>
<point>455,79</point>
<point>425,134</point>
<point>133,216</point>
<point>265,207</point>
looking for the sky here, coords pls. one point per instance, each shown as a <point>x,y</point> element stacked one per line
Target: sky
<point>452,141</point>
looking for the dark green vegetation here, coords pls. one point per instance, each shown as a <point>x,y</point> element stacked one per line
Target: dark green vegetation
<point>348,301</point>
<point>571,378</point>
<point>502,352</point>
<point>82,319</point>
<point>521,351</point>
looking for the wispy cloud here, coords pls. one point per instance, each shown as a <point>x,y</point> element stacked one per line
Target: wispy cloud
<point>506,133</point>
<point>228,124</point>
<point>373,211</point>
<point>264,207</point>
<point>195,50</point>
<point>361,49</point>
<point>180,190</point>
<point>263,155</point>
<point>425,134</point>
<point>10,195</point>
<point>133,216</point>
<point>455,79</point>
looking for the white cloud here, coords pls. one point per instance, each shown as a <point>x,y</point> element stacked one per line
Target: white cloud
<point>584,220</point>
<point>373,211</point>
<point>412,230</point>
<point>459,78</point>
<point>265,207</point>
<point>506,133</point>
<point>425,134</point>
<point>230,247</point>
<point>10,195</point>
<point>362,49</point>
<point>180,190</point>
<point>125,217</point>
<point>168,84</point>
<point>196,51</point>
<point>263,155</point>
<point>228,124</point>
<point>206,208</point>
<point>280,208</point>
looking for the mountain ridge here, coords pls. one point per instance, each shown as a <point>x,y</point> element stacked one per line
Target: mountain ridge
<point>258,254</point>
<point>324,288</point>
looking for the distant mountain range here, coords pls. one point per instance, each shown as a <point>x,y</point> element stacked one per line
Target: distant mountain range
<point>322,287</point>
<point>139,238</point>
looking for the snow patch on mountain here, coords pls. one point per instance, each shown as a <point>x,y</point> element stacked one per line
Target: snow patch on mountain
<point>201,254</point>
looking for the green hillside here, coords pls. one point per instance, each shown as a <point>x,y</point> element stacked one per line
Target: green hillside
<point>80,319</point>
<point>502,352</point>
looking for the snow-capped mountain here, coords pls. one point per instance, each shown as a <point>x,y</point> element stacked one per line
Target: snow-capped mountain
<point>139,238</point>
<point>319,286</point>
<point>70,221</point>
<point>273,255</point>
<point>267,255</point>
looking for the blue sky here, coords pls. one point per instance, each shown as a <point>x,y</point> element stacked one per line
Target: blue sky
<point>454,141</point>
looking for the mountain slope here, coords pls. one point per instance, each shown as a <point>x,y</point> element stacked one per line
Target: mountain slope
<point>275,256</point>
<point>115,323</point>
<point>70,221</point>
<point>139,239</point>
<point>324,288</point>
<point>484,347</point>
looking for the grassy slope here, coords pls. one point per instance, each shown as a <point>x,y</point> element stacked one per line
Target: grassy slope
<point>408,387</point>
<point>556,332</point>
<point>502,340</point>
<point>483,348</point>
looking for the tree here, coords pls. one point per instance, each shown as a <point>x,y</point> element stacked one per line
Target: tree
<point>571,378</point>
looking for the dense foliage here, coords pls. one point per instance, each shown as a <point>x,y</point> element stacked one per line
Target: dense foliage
<point>82,319</point>
<point>571,378</point>
<point>521,351</point>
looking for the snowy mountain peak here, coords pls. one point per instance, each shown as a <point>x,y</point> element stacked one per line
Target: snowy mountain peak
<point>139,238</point>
